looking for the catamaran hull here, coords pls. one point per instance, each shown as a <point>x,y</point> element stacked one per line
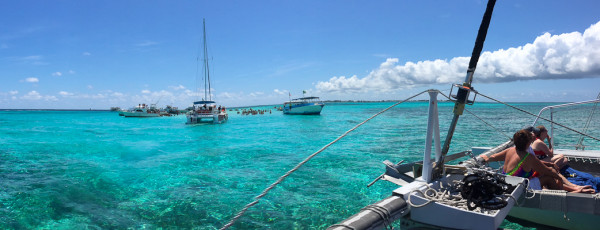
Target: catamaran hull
<point>556,218</point>
<point>558,208</point>
<point>211,118</point>
<point>304,109</point>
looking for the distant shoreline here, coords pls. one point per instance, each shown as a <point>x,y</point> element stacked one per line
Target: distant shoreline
<point>55,110</point>
<point>275,105</point>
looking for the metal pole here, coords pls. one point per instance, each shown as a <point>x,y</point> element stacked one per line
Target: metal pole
<point>463,92</point>
<point>431,123</point>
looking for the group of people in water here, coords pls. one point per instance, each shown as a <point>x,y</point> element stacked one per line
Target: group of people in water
<point>251,111</point>
<point>531,158</point>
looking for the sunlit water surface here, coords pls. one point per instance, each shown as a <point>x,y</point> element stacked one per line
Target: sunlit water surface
<point>91,169</point>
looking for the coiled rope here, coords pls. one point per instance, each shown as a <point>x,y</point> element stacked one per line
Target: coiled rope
<point>257,198</point>
<point>481,191</point>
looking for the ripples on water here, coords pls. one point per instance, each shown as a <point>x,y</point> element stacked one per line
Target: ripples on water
<point>75,170</point>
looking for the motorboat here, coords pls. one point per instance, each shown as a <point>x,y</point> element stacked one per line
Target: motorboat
<point>303,106</point>
<point>142,110</point>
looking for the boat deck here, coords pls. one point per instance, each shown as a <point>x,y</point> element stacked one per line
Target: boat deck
<point>586,161</point>
<point>578,153</point>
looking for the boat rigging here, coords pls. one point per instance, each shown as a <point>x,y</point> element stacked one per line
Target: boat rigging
<point>206,110</point>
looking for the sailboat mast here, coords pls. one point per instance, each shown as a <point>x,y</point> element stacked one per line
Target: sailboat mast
<point>463,92</point>
<point>206,70</point>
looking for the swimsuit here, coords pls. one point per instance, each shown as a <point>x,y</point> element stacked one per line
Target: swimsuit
<point>518,171</point>
<point>539,153</point>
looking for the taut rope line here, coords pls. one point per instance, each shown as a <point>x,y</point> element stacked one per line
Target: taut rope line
<point>257,198</point>
<point>545,119</point>
<point>481,119</point>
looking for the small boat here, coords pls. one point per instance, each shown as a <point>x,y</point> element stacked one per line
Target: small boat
<point>303,106</point>
<point>142,110</point>
<point>206,111</point>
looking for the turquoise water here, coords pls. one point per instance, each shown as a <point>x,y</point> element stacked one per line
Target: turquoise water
<point>94,169</point>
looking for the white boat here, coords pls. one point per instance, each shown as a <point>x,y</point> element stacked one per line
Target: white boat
<point>303,106</point>
<point>206,111</point>
<point>142,110</point>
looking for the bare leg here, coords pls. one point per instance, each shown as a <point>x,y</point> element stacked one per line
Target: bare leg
<point>560,160</point>
<point>548,182</point>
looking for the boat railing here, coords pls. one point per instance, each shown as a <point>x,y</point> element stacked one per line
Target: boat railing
<point>211,111</point>
<point>552,117</point>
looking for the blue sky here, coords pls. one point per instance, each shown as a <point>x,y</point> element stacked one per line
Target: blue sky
<point>97,54</point>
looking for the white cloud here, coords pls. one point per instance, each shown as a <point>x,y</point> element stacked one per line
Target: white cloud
<point>34,95</point>
<point>256,94</point>
<point>90,86</point>
<point>86,54</point>
<point>14,92</point>
<point>227,96</point>
<point>145,91</point>
<point>65,93</point>
<point>71,72</point>
<point>280,92</point>
<point>32,79</point>
<point>564,56</point>
<point>58,74</point>
<point>179,87</point>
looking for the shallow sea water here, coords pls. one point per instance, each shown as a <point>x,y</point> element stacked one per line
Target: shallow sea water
<point>96,170</point>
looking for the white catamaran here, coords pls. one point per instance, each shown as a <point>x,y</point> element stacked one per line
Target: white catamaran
<point>206,110</point>
<point>474,195</point>
<point>434,194</point>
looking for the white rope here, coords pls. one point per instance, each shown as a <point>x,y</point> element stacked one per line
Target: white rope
<point>448,197</point>
<point>257,198</point>
<point>528,190</point>
<point>444,196</point>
